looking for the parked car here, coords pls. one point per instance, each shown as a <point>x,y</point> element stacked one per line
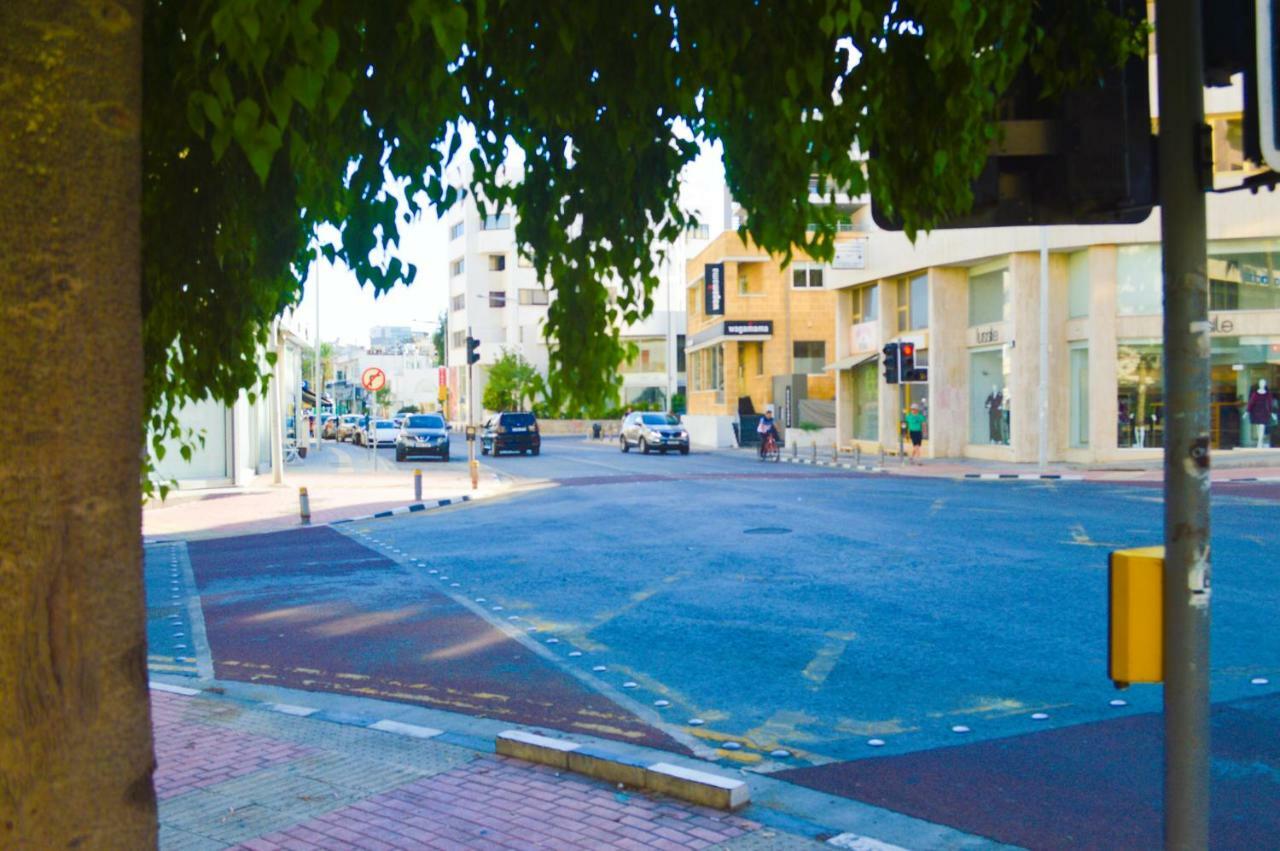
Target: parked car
<point>348,425</point>
<point>651,431</point>
<point>329,430</point>
<point>423,434</point>
<point>378,433</point>
<point>511,431</point>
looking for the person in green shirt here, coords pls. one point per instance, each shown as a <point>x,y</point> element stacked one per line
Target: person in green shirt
<point>915,429</point>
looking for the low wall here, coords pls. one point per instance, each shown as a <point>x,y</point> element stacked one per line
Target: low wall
<point>710,430</point>
<point>582,427</point>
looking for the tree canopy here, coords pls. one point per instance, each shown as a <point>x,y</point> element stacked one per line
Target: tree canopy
<point>510,382</point>
<point>265,118</point>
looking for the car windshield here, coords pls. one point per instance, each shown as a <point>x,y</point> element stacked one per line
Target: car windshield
<point>350,418</point>
<point>517,420</point>
<point>660,419</point>
<point>425,422</point>
<point>384,424</point>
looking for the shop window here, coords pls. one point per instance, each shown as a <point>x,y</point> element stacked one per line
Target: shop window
<point>534,296</point>
<point>497,262</point>
<point>1243,276</point>
<point>989,403</point>
<point>988,297</point>
<point>1138,281</point>
<point>810,356</point>
<point>651,356</point>
<point>866,401</point>
<point>497,299</point>
<point>866,304</point>
<point>1078,363</point>
<point>1139,395</point>
<point>1078,284</point>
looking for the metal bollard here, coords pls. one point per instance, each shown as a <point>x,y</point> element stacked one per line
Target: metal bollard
<point>881,456</point>
<point>835,454</point>
<point>417,486</point>
<point>304,506</point>
<point>814,454</point>
<point>857,455</point>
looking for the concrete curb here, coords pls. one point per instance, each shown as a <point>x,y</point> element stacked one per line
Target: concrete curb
<point>687,784</point>
<point>1059,477</point>
<point>839,465</point>
<point>408,509</point>
<point>1256,479</point>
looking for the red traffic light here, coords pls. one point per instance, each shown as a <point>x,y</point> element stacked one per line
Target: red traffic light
<point>907,349</point>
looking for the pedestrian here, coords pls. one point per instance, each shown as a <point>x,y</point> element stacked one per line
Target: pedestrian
<point>915,430</point>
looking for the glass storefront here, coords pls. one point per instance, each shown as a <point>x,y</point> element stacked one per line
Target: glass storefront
<point>1238,364</point>
<point>989,403</point>
<point>1138,280</point>
<point>1242,276</point>
<point>866,401</point>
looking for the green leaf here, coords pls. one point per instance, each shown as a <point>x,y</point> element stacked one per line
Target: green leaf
<point>339,91</point>
<point>304,85</point>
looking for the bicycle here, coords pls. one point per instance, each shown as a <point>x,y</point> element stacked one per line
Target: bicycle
<point>291,451</point>
<point>769,448</point>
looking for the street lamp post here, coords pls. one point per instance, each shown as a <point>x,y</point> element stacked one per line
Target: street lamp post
<point>318,370</point>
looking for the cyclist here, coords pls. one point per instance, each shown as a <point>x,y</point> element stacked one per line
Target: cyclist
<point>766,429</point>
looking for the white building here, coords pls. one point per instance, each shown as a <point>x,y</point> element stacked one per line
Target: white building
<point>495,296</point>
<point>411,371</point>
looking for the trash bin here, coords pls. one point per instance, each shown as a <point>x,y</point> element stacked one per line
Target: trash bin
<point>595,430</point>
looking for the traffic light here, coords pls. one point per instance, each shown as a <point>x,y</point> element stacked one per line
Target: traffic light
<point>473,350</point>
<point>907,370</point>
<point>891,363</point>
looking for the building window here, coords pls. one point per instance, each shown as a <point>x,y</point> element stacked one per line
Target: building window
<point>988,297</point>
<point>1138,280</point>
<point>759,353</point>
<point>498,222</point>
<point>651,356</point>
<point>717,368</point>
<point>497,298</point>
<point>866,401</point>
<point>680,358</point>
<point>806,277</point>
<point>810,356</point>
<point>1242,276</point>
<point>533,296</point>
<point>913,303</point>
<point>748,283</point>
<point>1078,284</point>
<point>497,262</point>
<point>866,304</point>
<point>455,231</point>
<point>697,231</point>
<point>457,267</point>
<point>458,302</point>
<point>989,403</point>
<point>458,339</point>
<point>524,262</point>
<point>1078,363</point>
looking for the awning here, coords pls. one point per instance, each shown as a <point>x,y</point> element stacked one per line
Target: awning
<point>853,361</point>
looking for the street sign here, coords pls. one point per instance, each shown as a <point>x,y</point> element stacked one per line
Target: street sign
<point>373,379</point>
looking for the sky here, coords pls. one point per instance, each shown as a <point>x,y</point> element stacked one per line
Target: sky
<point>348,311</point>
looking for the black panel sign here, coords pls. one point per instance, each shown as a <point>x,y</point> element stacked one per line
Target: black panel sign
<point>713,289</point>
<point>748,328</point>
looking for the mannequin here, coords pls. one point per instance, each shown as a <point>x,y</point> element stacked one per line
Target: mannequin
<point>995,421</point>
<point>1262,410</point>
<point>1005,412</point>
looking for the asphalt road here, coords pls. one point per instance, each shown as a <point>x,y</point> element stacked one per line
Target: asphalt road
<point>751,608</point>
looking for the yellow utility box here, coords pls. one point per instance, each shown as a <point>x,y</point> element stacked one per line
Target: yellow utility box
<point>1135,652</point>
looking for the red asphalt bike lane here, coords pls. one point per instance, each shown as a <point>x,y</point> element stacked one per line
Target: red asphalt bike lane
<point>312,609</point>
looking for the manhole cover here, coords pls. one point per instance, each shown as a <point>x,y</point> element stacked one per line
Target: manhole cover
<point>767,530</point>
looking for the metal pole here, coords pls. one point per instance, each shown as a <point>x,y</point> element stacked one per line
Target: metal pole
<point>318,386</point>
<point>1180,88</point>
<point>277,408</point>
<point>1044,348</point>
<point>902,412</point>
<point>473,465</point>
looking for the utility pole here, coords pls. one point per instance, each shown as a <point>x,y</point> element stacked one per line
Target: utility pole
<point>1182,151</point>
<point>319,368</point>
<point>1043,448</point>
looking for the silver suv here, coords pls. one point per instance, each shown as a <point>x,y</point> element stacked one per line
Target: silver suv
<point>653,431</point>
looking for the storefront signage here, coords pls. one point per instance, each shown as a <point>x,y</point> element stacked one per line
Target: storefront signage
<point>746,329</point>
<point>866,337</point>
<point>1218,325</point>
<point>786,409</point>
<point>851,254</point>
<point>713,289</point>
<point>989,335</point>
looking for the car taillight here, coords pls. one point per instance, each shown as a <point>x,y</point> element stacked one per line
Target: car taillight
<point>534,428</point>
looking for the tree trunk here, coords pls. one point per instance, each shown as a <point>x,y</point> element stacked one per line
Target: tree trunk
<point>75,735</point>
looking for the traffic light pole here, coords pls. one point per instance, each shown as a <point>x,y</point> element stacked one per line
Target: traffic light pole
<point>1181,158</point>
<point>473,466</point>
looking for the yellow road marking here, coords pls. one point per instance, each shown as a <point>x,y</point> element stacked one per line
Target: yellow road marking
<point>828,655</point>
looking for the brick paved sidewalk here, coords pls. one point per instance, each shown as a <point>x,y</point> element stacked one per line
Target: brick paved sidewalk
<point>231,775</point>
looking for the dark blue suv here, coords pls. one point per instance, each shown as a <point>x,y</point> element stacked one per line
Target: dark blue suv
<point>511,431</point>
